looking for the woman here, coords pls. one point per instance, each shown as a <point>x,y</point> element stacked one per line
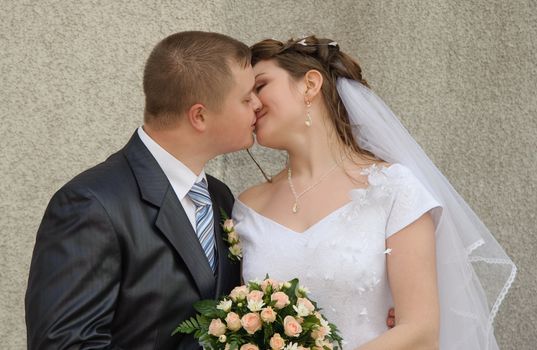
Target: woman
<point>360,214</point>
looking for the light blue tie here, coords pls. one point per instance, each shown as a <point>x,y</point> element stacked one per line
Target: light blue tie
<point>199,194</point>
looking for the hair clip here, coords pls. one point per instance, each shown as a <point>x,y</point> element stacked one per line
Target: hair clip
<point>303,43</point>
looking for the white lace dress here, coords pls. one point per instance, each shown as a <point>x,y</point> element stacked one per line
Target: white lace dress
<point>341,258</point>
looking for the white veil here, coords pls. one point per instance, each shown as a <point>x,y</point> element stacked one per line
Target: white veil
<point>474,272</point>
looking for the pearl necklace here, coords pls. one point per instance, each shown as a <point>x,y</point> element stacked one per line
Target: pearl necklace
<point>292,187</point>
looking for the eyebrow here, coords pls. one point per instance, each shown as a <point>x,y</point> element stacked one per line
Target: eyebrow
<point>260,74</point>
<point>250,91</point>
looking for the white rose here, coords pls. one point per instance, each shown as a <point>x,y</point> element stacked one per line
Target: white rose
<point>233,237</point>
<point>236,250</point>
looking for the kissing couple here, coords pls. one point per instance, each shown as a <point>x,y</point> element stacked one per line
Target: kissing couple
<point>359,214</point>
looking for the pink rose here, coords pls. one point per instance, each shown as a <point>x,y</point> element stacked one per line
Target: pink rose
<point>319,332</point>
<point>255,295</point>
<point>268,315</point>
<point>276,342</point>
<point>239,293</point>
<point>249,346</point>
<point>251,322</point>
<point>233,321</point>
<point>316,334</point>
<point>228,226</point>
<point>282,300</point>
<point>300,347</point>
<point>325,331</point>
<point>269,282</point>
<point>217,327</point>
<point>291,326</point>
<point>322,344</point>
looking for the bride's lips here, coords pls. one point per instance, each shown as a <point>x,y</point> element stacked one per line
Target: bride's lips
<point>259,116</point>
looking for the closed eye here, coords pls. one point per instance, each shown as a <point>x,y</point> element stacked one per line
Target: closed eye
<point>259,87</point>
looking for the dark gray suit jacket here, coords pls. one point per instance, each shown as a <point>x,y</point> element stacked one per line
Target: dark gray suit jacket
<point>117,264</point>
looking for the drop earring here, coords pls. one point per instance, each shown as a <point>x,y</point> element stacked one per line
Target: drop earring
<point>308,115</point>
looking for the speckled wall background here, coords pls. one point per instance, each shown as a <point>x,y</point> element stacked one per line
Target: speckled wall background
<point>462,76</point>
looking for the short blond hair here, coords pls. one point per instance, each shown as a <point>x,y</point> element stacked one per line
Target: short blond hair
<point>188,68</point>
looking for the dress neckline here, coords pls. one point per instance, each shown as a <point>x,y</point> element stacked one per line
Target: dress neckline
<point>309,228</point>
<point>371,170</point>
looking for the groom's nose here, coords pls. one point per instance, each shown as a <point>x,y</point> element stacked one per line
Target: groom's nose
<point>256,103</point>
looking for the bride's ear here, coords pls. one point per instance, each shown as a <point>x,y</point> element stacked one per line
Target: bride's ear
<point>313,80</point>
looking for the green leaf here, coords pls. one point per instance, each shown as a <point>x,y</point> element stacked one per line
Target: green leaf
<point>187,326</point>
<point>268,333</point>
<point>223,214</point>
<point>206,307</point>
<point>203,321</point>
<point>291,292</point>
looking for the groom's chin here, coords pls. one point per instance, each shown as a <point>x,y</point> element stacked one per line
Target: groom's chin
<point>240,147</point>
<point>249,142</point>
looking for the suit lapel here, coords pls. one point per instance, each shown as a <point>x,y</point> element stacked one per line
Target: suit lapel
<point>174,224</point>
<point>221,249</point>
<point>171,219</point>
<point>228,271</point>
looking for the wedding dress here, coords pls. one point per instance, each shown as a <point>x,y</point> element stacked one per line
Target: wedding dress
<point>342,258</point>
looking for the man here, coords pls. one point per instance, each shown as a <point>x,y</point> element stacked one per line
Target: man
<point>125,248</point>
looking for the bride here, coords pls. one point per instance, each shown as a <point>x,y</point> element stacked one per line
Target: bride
<point>360,214</point>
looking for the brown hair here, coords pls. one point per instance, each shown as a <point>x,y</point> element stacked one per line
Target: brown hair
<point>297,57</point>
<point>187,68</point>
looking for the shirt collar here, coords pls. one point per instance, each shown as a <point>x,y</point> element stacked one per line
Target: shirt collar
<point>180,176</point>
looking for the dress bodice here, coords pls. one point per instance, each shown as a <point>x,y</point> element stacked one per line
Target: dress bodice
<point>342,258</point>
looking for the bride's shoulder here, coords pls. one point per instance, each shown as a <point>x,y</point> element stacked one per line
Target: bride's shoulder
<point>381,172</point>
<point>359,170</point>
<point>252,193</point>
<point>257,195</point>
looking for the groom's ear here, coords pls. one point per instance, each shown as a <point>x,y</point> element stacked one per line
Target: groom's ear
<point>196,116</point>
<point>314,82</point>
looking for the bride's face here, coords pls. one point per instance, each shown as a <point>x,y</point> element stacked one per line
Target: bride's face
<point>284,109</point>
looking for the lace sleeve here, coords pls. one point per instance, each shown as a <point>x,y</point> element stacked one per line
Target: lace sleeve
<point>410,201</point>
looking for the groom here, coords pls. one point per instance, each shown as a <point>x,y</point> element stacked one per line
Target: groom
<point>125,248</point>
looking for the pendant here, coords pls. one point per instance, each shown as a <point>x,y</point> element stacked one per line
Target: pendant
<point>295,208</point>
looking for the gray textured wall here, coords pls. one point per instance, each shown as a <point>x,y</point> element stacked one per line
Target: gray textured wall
<point>462,76</point>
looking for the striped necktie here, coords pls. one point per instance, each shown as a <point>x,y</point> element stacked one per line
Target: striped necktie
<point>199,194</point>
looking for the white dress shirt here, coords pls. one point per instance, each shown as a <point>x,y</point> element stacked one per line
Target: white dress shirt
<point>180,176</point>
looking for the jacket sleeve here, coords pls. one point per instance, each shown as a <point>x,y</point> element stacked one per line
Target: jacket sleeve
<point>74,275</point>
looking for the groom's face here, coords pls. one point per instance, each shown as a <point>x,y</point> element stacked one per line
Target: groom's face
<point>233,125</point>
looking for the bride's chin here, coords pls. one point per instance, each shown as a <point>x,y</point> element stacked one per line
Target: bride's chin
<point>262,139</point>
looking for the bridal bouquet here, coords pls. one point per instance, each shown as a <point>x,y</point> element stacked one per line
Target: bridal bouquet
<point>262,315</point>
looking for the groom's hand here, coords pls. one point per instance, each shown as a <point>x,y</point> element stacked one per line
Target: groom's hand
<point>390,321</point>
